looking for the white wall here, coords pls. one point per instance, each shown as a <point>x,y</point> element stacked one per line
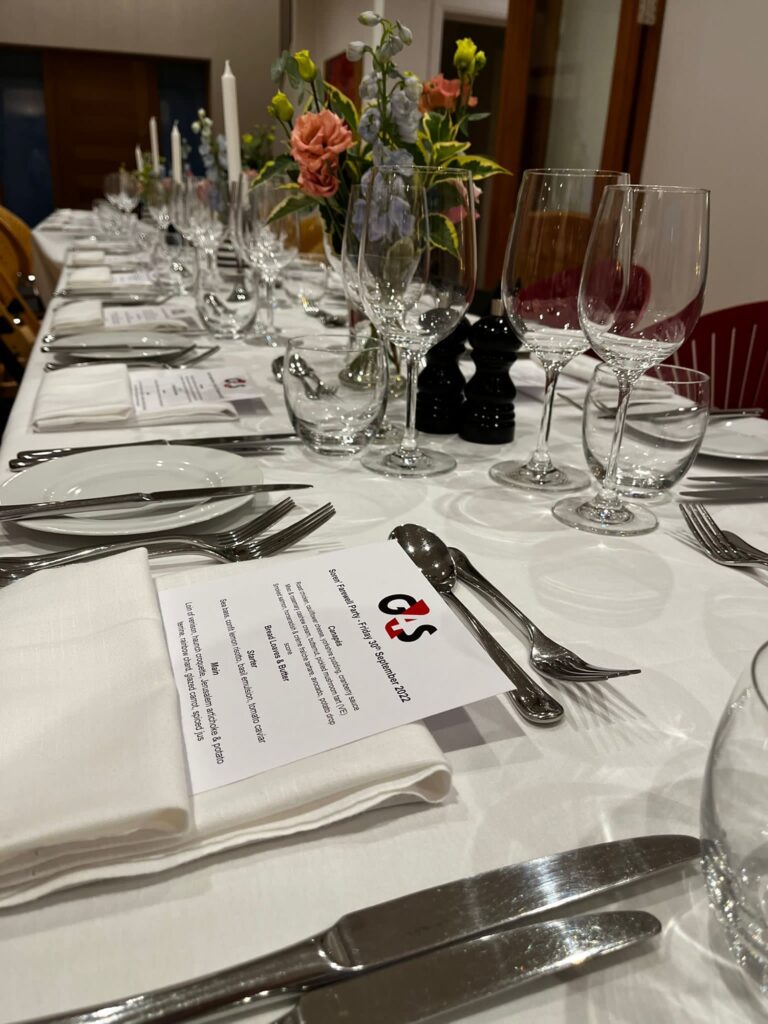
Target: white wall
<point>244,31</point>
<point>708,129</point>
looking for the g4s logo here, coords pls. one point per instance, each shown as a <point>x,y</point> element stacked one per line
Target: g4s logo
<point>406,610</point>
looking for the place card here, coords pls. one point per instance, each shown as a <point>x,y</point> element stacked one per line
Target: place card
<point>139,316</point>
<point>292,657</point>
<point>131,278</point>
<point>157,390</point>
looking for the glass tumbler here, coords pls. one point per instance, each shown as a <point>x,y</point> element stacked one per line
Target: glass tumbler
<point>331,414</point>
<point>227,301</point>
<point>734,822</point>
<point>666,420</point>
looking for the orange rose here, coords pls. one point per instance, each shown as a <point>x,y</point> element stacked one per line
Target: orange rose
<point>322,182</point>
<point>441,93</point>
<point>318,138</point>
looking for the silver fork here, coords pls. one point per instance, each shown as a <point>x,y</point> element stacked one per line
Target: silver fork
<point>232,537</point>
<point>719,547</point>
<point>182,360</point>
<point>326,319</point>
<point>547,656</point>
<point>244,552</point>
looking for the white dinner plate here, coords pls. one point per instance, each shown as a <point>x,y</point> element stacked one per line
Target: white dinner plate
<point>737,439</point>
<point>126,470</point>
<point>125,339</point>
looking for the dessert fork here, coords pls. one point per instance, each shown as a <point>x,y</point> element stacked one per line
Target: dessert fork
<point>546,655</point>
<point>242,551</point>
<point>723,548</point>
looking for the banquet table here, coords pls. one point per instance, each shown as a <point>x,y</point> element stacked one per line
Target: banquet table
<point>627,760</point>
<point>49,247</point>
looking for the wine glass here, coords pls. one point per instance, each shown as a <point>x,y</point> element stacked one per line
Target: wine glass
<point>157,197</point>
<point>208,213</point>
<point>417,269</point>
<point>540,287</point>
<point>268,245</point>
<point>641,294</point>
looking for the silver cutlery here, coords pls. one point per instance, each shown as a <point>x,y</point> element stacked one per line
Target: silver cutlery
<point>243,440</point>
<point>742,480</point>
<point>432,558</point>
<point>168,348</point>
<point>183,360</point>
<point>721,548</point>
<point>454,978</point>
<point>245,549</point>
<point>547,656</point>
<point>326,319</point>
<point>175,328</point>
<point>726,495</point>
<point>372,938</point>
<point>139,499</point>
<point>137,298</point>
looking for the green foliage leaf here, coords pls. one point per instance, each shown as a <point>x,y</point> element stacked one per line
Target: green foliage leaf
<point>480,166</point>
<point>443,235</point>
<point>292,203</point>
<point>282,164</point>
<point>445,152</point>
<point>437,126</point>
<point>479,117</point>
<point>342,106</point>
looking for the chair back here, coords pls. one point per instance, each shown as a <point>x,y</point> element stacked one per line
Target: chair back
<point>13,227</point>
<point>731,345</point>
<point>12,300</point>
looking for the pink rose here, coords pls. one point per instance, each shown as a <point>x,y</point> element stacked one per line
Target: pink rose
<point>322,183</point>
<point>318,138</point>
<point>441,93</point>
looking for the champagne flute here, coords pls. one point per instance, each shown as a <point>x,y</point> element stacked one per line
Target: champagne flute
<point>540,287</point>
<point>641,294</point>
<point>417,278</point>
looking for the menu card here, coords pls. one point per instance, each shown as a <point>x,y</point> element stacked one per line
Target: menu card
<point>154,390</point>
<point>140,316</point>
<point>291,657</point>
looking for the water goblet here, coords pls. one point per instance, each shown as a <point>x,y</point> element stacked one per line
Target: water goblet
<point>734,822</point>
<point>227,301</point>
<point>540,286</point>
<point>641,294</point>
<point>417,269</point>
<point>270,240</point>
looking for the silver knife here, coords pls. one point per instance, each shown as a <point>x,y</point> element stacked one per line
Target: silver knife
<point>405,927</point>
<point>33,510</point>
<point>486,966</point>
<point>246,439</point>
<point>726,495</point>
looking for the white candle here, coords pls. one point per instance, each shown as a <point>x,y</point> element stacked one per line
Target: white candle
<point>154,144</point>
<point>176,153</point>
<point>231,122</point>
<point>139,159</point>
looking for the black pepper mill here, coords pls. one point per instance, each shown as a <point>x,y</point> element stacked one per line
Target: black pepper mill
<point>488,415</point>
<point>440,393</point>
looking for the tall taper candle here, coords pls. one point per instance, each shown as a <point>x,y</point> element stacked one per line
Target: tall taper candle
<point>176,153</point>
<point>139,159</point>
<point>231,122</point>
<point>153,144</point>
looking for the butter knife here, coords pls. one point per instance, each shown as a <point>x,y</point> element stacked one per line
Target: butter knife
<point>34,510</point>
<point>486,966</point>
<point>404,927</point>
<point>726,495</point>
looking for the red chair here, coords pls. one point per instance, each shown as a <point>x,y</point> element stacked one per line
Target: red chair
<point>731,345</point>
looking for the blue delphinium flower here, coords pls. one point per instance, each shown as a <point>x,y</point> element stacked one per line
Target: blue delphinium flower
<point>370,124</point>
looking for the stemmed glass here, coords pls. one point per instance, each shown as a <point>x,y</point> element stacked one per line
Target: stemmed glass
<point>540,287</point>
<point>641,294</point>
<point>268,244</point>
<point>208,215</point>
<point>417,277</point>
<point>121,189</point>
<point>157,198</point>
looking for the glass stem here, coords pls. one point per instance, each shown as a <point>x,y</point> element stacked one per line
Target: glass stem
<point>408,444</point>
<point>608,496</point>
<point>269,298</point>
<point>540,459</point>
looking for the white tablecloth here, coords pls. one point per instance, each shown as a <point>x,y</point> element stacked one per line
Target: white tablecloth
<point>628,760</point>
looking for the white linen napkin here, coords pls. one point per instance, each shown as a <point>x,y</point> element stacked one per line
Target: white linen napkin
<point>88,277</point>
<point>87,258</point>
<point>82,314</point>
<point>101,396</point>
<point>92,751</point>
<point>401,765</point>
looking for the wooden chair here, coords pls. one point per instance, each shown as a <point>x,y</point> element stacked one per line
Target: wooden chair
<point>16,343</point>
<point>20,234</point>
<point>13,302</point>
<point>731,345</point>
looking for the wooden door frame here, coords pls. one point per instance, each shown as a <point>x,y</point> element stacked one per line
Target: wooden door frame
<point>634,74</point>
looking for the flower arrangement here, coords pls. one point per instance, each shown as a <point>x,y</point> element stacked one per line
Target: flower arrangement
<point>402,122</point>
<point>255,147</point>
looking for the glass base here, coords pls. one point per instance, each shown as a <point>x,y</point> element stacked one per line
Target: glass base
<point>624,521</point>
<point>525,476</point>
<point>418,463</point>
<point>389,434</point>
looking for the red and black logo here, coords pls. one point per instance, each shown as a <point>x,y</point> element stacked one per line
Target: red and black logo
<point>406,610</point>
<point>235,382</point>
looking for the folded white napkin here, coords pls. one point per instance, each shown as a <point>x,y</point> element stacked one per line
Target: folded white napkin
<point>87,258</point>
<point>101,396</point>
<point>83,314</point>
<point>88,277</point>
<point>125,716</point>
<point>92,750</point>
